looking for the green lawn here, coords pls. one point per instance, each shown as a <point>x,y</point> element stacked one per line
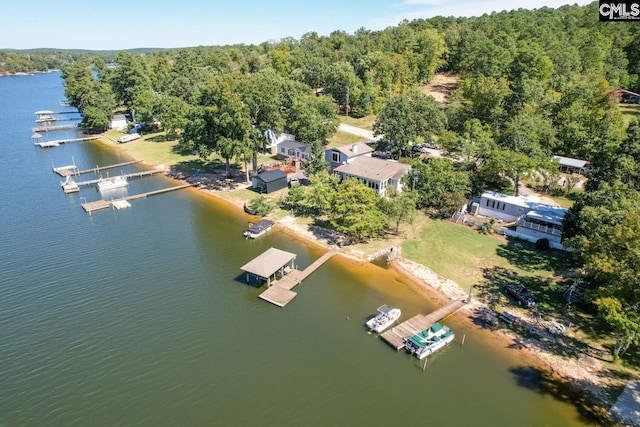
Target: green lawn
<point>470,258</point>
<point>365,122</point>
<point>344,138</point>
<point>630,111</point>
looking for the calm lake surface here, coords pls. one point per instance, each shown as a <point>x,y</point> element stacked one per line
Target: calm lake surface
<point>141,317</point>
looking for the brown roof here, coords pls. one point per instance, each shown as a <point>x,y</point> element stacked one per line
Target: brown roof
<point>374,169</point>
<point>268,263</point>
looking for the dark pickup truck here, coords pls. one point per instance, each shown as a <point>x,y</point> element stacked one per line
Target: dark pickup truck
<point>521,294</point>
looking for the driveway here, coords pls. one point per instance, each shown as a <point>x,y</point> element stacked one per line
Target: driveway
<point>358,131</point>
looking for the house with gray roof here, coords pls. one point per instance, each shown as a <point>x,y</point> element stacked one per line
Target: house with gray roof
<point>346,154</point>
<point>377,174</point>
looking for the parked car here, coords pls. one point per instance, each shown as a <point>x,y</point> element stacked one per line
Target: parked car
<point>432,145</point>
<point>521,295</point>
<point>419,148</point>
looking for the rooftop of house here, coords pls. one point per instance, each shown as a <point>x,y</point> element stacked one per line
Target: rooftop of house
<point>522,201</point>
<point>374,169</point>
<point>354,150</point>
<point>295,145</point>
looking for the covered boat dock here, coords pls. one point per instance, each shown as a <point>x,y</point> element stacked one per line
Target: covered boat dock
<point>269,265</point>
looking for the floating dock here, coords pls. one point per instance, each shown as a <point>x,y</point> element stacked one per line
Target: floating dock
<point>397,335</point>
<point>280,293</point>
<point>89,207</point>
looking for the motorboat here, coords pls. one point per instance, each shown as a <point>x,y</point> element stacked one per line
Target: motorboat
<point>429,341</point>
<point>386,317</point>
<point>111,183</point>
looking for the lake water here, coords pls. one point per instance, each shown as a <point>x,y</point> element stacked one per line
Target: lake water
<point>141,317</point>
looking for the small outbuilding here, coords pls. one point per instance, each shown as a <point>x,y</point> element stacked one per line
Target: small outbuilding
<point>569,165</point>
<point>118,122</point>
<point>268,182</point>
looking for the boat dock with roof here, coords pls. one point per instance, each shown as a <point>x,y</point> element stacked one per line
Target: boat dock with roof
<point>275,262</point>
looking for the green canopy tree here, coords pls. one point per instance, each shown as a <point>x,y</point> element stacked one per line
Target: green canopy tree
<point>355,211</point>
<point>405,119</point>
<point>438,184</point>
<point>400,207</point>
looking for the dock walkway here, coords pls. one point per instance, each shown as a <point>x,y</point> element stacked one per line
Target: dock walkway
<point>103,204</point>
<point>58,142</point>
<point>72,170</point>
<point>280,293</point>
<point>396,336</point>
<point>129,175</point>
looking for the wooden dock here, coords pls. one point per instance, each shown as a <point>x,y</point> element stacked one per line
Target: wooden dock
<point>396,336</point>
<point>89,207</point>
<point>72,170</point>
<point>129,175</point>
<point>58,142</point>
<point>280,293</point>
<point>55,127</point>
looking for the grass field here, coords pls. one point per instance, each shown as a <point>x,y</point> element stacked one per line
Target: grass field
<point>629,112</point>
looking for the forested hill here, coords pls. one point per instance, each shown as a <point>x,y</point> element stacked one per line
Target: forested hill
<point>565,40</point>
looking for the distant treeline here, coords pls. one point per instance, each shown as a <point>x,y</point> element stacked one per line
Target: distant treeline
<point>32,60</point>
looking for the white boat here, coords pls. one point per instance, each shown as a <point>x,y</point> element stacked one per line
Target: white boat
<point>386,317</point>
<point>112,182</point>
<point>258,229</point>
<point>128,138</point>
<point>429,341</point>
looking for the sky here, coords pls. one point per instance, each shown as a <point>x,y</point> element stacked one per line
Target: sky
<point>120,24</point>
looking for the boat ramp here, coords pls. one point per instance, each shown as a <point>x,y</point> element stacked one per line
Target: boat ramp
<point>397,335</point>
<point>123,202</point>
<point>275,261</point>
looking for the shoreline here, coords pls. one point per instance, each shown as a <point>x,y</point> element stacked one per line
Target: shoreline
<point>586,377</point>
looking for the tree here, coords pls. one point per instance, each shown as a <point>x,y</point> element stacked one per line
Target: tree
<point>261,93</point>
<point>404,119</point>
<point>509,164</point>
<point>612,267</point>
<point>438,185</point>
<point>400,207</point>
<point>355,211</point>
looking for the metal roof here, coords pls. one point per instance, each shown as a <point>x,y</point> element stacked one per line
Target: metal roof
<point>268,263</point>
<point>569,162</point>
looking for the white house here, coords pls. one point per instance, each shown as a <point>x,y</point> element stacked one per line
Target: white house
<point>533,220</point>
<point>118,122</point>
<point>346,154</point>
<point>377,174</point>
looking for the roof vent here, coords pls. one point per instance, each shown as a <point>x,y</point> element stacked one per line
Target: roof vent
<point>354,148</point>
